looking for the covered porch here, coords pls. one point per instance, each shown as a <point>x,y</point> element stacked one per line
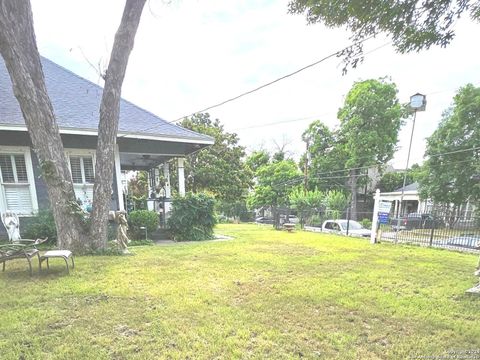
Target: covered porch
<point>409,203</point>
<point>155,157</point>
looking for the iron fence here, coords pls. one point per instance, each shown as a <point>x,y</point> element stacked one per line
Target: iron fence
<point>441,229</point>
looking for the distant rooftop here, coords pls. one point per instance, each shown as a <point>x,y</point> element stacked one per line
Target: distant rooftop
<point>76,103</point>
<point>410,187</point>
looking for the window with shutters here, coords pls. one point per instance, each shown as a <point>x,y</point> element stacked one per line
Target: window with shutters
<point>81,168</point>
<point>17,191</point>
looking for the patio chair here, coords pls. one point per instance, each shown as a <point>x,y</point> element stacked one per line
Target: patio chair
<point>25,250</point>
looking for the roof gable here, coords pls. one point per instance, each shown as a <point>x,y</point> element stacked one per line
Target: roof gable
<point>76,103</point>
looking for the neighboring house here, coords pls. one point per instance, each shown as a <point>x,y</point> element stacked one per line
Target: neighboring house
<point>412,203</point>
<point>411,200</point>
<point>144,142</point>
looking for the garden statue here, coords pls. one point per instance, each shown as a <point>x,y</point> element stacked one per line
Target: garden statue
<point>122,228</point>
<point>12,225</point>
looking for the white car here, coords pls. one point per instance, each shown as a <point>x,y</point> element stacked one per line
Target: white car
<point>340,227</point>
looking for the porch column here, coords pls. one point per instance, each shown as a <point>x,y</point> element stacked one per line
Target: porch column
<point>168,189</point>
<point>181,176</point>
<point>395,211</point>
<point>166,175</point>
<point>118,176</point>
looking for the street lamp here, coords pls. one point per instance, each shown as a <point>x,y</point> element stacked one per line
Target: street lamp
<point>418,102</point>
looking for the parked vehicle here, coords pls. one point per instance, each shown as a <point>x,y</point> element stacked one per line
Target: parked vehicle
<point>465,240</point>
<point>292,219</point>
<point>264,220</point>
<point>340,227</point>
<point>416,221</point>
<point>398,226</point>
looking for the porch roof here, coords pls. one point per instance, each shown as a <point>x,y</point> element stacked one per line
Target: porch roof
<point>410,192</point>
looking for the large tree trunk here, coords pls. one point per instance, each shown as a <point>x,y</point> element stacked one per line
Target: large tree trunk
<point>109,116</point>
<point>19,50</point>
<point>353,188</point>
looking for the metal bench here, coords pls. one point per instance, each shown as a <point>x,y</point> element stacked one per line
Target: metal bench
<point>18,251</point>
<point>64,254</point>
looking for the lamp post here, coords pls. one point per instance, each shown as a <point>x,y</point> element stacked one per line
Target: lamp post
<point>418,102</point>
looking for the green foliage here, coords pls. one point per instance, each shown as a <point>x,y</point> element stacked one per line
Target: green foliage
<point>450,176</point>
<point>325,156</point>
<point>217,169</point>
<point>306,202</point>
<point>392,181</point>
<point>138,190</point>
<point>142,218</point>
<point>256,160</point>
<point>41,226</point>
<point>141,242</point>
<point>237,210</point>
<point>370,120</point>
<point>192,217</point>
<point>366,223</point>
<point>412,25</point>
<point>336,202</point>
<point>315,220</point>
<point>274,183</point>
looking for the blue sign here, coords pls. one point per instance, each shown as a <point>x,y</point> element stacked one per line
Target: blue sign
<point>383,217</point>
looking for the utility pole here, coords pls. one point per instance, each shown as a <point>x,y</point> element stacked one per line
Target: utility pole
<point>307,159</point>
<point>417,103</point>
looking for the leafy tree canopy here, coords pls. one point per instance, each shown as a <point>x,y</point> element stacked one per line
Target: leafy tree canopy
<point>392,181</point>
<point>370,120</point>
<point>274,183</point>
<point>218,169</point>
<point>369,123</point>
<point>413,25</point>
<point>257,159</point>
<point>325,157</point>
<point>450,176</point>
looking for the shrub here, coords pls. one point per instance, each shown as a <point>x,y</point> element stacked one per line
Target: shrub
<point>192,217</point>
<point>142,218</point>
<point>315,220</point>
<point>41,226</point>
<point>366,223</point>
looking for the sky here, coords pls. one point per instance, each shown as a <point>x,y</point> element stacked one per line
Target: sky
<point>191,54</point>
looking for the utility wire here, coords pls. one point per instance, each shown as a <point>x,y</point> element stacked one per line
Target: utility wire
<point>280,78</point>
<point>316,176</point>
<point>338,52</point>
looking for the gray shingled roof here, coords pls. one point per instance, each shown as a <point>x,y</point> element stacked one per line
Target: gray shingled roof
<point>410,187</point>
<point>76,102</point>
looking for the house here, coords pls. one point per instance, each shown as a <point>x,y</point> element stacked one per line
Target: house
<point>144,142</point>
<point>412,203</point>
<point>411,200</point>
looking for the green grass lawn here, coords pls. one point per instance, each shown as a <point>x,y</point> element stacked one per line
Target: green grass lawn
<point>265,294</point>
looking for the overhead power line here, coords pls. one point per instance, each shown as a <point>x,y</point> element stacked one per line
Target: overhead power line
<point>334,54</point>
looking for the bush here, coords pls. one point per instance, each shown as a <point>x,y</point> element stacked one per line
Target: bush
<point>314,220</point>
<point>192,217</point>
<point>142,218</point>
<point>366,223</point>
<point>41,226</point>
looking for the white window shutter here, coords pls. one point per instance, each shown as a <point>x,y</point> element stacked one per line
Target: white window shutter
<point>18,199</point>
